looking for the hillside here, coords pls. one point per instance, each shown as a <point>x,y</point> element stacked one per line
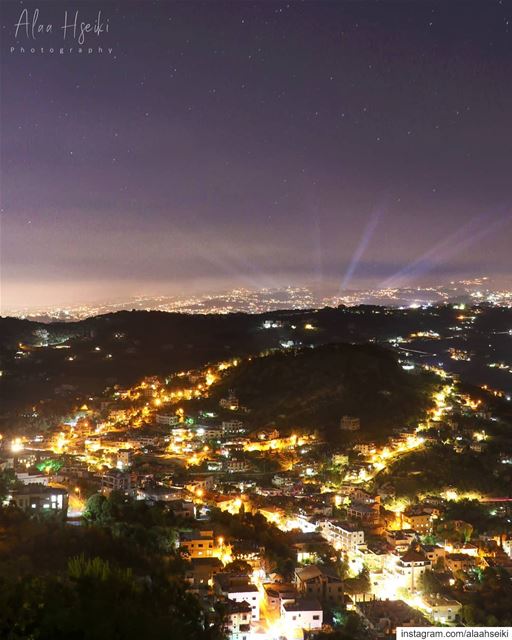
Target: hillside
<point>439,468</point>
<point>123,347</point>
<point>314,388</point>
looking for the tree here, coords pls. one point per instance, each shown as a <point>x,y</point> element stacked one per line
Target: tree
<point>360,584</point>
<point>351,629</point>
<point>454,531</point>
<point>93,511</point>
<point>96,600</point>
<point>7,482</point>
<point>238,566</point>
<point>429,583</point>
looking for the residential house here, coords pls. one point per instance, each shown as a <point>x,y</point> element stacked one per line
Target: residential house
<point>239,588</point>
<point>116,480</point>
<point>319,583</point>
<point>409,568</point>
<point>302,614</point>
<point>384,616</point>
<point>202,544</point>
<point>442,610</point>
<point>400,538</point>
<point>202,571</point>
<point>167,419</point>
<point>368,513</point>
<point>418,521</point>
<point>238,620</point>
<point>344,536</point>
<point>459,562</point>
<point>277,594</point>
<point>39,497</point>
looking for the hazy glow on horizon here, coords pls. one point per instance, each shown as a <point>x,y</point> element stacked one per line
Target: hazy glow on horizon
<point>240,147</point>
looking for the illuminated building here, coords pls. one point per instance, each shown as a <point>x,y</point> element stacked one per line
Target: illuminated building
<point>302,614</point>
<point>238,620</point>
<point>318,582</point>
<point>460,562</point>
<point>434,553</point>
<point>365,448</point>
<point>208,431</point>
<point>247,550</point>
<point>344,536</point>
<point>236,466</point>
<point>276,594</point>
<point>418,521</point>
<point>200,485</point>
<point>29,478</point>
<point>237,587</point>
<point>400,538</point>
<point>232,427</point>
<point>369,513</point>
<point>231,402</point>
<point>374,556</point>
<point>39,497</point>
<point>167,419</point>
<point>115,480</point>
<point>410,567</point>
<point>124,458</point>
<point>204,544</point>
<point>442,610</point>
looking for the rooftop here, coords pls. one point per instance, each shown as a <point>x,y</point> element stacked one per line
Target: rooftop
<point>303,605</point>
<point>36,488</point>
<point>413,556</point>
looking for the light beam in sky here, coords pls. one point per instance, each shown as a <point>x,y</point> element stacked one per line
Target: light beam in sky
<point>368,232</point>
<point>463,238</point>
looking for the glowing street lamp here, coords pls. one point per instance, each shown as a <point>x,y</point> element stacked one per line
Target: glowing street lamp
<point>17,445</point>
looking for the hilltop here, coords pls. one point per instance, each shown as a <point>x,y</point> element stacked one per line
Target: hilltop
<point>123,347</point>
<point>314,387</point>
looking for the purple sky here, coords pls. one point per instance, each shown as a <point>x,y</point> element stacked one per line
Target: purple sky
<point>335,144</point>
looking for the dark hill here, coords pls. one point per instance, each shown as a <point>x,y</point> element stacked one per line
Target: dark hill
<point>314,388</point>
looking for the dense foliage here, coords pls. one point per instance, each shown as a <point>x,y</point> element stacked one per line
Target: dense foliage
<point>117,577</point>
<point>490,603</point>
<point>94,600</point>
<point>314,388</point>
<point>437,468</point>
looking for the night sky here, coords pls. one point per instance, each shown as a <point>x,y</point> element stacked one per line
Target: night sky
<point>330,144</point>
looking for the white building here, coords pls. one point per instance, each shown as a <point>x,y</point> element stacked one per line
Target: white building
<point>238,620</point>
<point>342,535</point>
<point>410,567</point>
<point>248,593</point>
<point>238,588</point>
<point>442,610</point>
<point>302,614</point>
<point>167,419</point>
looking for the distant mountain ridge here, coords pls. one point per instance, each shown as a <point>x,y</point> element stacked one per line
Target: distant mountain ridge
<point>123,347</point>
